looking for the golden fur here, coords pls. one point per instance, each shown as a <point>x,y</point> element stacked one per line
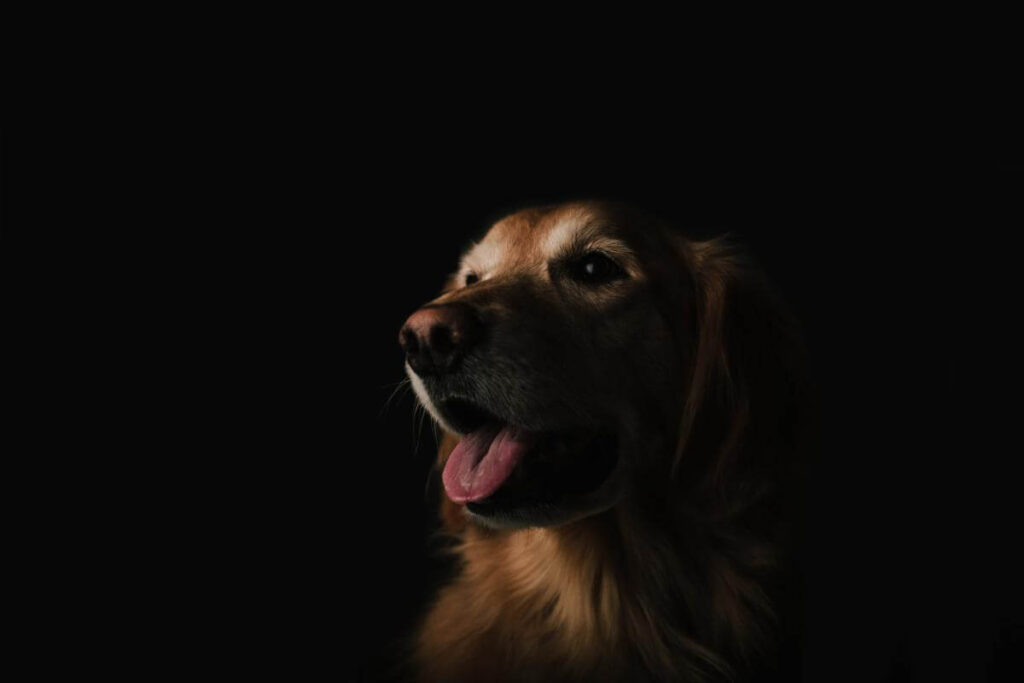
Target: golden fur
<point>687,575</point>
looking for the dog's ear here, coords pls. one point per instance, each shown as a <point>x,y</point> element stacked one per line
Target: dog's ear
<point>746,382</point>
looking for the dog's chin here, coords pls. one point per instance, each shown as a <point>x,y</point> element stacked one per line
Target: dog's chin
<point>561,475</point>
<point>503,512</point>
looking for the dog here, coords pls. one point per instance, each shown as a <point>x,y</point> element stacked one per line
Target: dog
<point>625,416</point>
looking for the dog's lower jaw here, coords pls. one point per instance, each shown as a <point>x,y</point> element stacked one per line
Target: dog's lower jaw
<point>535,517</point>
<point>554,514</point>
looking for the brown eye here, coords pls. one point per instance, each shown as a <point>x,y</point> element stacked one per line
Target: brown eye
<point>472,278</point>
<point>595,269</point>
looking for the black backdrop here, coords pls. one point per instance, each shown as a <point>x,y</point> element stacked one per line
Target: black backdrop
<point>261,509</point>
<point>312,527</point>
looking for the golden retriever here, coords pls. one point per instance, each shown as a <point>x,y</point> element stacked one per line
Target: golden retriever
<point>624,413</point>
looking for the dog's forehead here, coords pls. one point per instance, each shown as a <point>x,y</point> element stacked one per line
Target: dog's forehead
<point>534,236</point>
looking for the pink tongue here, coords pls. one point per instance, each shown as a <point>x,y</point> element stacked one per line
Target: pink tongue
<point>482,461</point>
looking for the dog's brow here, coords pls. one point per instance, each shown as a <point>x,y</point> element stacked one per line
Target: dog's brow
<point>482,257</point>
<point>608,245</point>
<point>566,233</point>
<point>579,235</point>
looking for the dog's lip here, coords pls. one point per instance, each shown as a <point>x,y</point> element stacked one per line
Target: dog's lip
<point>465,415</point>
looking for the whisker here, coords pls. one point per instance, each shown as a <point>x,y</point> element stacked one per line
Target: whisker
<point>424,418</point>
<point>405,384</point>
<point>418,415</point>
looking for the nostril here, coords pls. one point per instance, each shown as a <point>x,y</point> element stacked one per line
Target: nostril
<point>409,341</point>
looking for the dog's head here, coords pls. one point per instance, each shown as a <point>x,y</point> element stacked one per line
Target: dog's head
<point>585,353</point>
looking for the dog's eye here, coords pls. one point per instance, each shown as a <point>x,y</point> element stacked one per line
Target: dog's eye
<point>471,278</point>
<point>594,269</point>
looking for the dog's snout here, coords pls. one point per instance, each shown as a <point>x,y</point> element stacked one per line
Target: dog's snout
<point>436,337</point>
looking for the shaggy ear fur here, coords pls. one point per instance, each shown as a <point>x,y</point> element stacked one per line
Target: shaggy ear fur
<point>744,404</point>
<point>745,429</point>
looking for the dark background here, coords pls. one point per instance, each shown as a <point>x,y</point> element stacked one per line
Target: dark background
<point>207,263</point>
<point>899,275</point>
<point>271,500</point>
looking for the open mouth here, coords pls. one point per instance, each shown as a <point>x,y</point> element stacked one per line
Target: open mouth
<point>498,468</point>
<point>464,415</point>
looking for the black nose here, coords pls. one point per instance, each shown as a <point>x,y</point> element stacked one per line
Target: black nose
<point>436,337</point>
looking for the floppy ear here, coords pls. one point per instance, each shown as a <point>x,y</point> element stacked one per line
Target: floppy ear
<point>743,407</point>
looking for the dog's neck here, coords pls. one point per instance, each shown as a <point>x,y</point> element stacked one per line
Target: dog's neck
<point>675,590</point>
